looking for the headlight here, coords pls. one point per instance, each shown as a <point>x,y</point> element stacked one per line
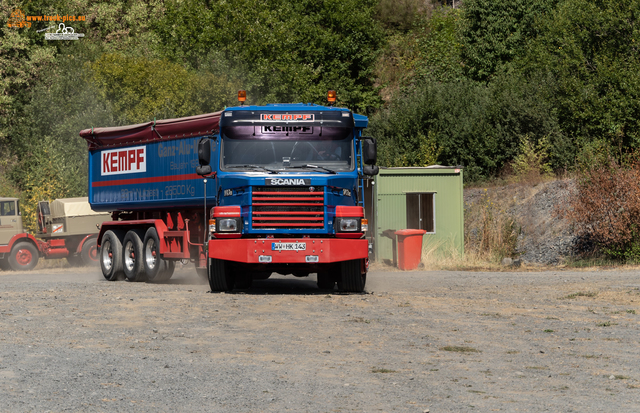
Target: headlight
<point>348,224</point>
<point>227,225</point>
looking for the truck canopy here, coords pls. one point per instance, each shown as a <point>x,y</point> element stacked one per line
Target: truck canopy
<point>72,207</point>
<point>149,132</point>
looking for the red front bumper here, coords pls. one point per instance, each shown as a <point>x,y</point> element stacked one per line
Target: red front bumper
<point>265,250</point>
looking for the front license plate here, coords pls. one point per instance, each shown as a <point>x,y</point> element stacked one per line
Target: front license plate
<point>288,246</point>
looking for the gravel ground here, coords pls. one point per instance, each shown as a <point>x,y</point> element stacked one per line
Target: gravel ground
<point>417,341</point>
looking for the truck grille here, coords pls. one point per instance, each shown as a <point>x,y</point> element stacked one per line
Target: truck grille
<point>287,208</point>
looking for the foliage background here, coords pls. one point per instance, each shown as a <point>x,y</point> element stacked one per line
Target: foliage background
<point>486,85</point>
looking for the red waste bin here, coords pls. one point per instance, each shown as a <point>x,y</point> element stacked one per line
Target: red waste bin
<point>409,248</point>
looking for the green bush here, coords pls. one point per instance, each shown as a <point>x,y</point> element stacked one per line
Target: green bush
<point>468,123</point>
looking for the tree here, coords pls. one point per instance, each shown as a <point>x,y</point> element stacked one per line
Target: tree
<point>495,32</point>
<point>142,89</point>
<point>283,51</point>
<point>590,51</point>
<point>440,46</point>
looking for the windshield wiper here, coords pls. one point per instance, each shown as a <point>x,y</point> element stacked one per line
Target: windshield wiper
<point>271,171</point>
<point>331,171</point>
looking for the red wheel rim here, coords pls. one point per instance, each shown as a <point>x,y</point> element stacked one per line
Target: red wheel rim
<point>93,253</point>
<point>24,257</point>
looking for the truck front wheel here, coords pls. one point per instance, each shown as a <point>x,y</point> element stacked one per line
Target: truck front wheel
<point>326,281</point>
<point>220,276</point>
<point>111,256</point>
<point>89,252</point>
<point>352,278</point>
<point>24,256</point>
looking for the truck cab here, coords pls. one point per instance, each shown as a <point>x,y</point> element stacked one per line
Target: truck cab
<point>18,250</point>
<point>10,219</point>
<point>288,180</point>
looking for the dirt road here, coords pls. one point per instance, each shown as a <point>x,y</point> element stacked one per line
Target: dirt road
<point>418,341</point>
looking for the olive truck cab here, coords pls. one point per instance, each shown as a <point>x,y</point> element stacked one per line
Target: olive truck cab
<point>67,228</point>
<point>276,189</point>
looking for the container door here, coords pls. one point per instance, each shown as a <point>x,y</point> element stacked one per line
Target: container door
<point>10,224</point>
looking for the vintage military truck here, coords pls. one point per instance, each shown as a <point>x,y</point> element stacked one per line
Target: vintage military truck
<point>67,228</point>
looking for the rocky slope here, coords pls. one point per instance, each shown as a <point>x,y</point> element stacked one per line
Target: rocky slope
<point>544,236</point>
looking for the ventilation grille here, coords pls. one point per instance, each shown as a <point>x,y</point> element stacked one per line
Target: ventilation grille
<point>287,207</point>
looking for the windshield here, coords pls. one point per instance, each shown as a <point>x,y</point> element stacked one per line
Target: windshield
<point>280,148</point>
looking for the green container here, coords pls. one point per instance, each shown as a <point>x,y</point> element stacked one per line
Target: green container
<point>428,198</point>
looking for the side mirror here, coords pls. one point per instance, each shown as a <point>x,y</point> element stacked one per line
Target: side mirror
<point>203,170</point>
<point>204,152</point>
<point>369,151</point>
<point>370,170</point>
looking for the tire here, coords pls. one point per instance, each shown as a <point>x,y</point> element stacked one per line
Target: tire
<point>326,281</point>
<point>243,280</point>
<point>261,275</point>
<point>132,257</point>
<point>166,271</point>
<point>89,253</point>
<point>153,263</point>
<point>220,276</point>
<point>351,277</point>
<point>23,256</point>
<point>4,264</point>
<point>74,260</point>
<point>202,272</point>
<point>111,256</point>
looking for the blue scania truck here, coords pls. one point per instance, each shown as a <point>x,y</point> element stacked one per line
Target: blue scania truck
<point>241,193</point>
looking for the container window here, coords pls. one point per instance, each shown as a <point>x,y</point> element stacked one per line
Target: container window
<point>421,212</point>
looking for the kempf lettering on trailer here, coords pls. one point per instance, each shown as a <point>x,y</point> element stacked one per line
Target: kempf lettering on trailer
<point>124,161</point>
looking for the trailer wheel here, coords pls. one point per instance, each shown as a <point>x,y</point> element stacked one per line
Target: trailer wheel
<point>23,256</point>
<point>155,266</point>
<point>220,276</point>
<point>202,272</point>
<point>326,281</point>
<point>352,278</point>
<point>89,253</point>
<point>132,257</point>
<point>111,256</point>
<point>166,271</point>
<point>74,260</point>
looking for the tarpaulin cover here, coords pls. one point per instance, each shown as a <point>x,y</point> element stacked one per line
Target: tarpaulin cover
<point>166,129</point>
<point>72,207</point>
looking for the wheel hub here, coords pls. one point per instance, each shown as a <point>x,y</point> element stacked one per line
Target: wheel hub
<point>24,257</point>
